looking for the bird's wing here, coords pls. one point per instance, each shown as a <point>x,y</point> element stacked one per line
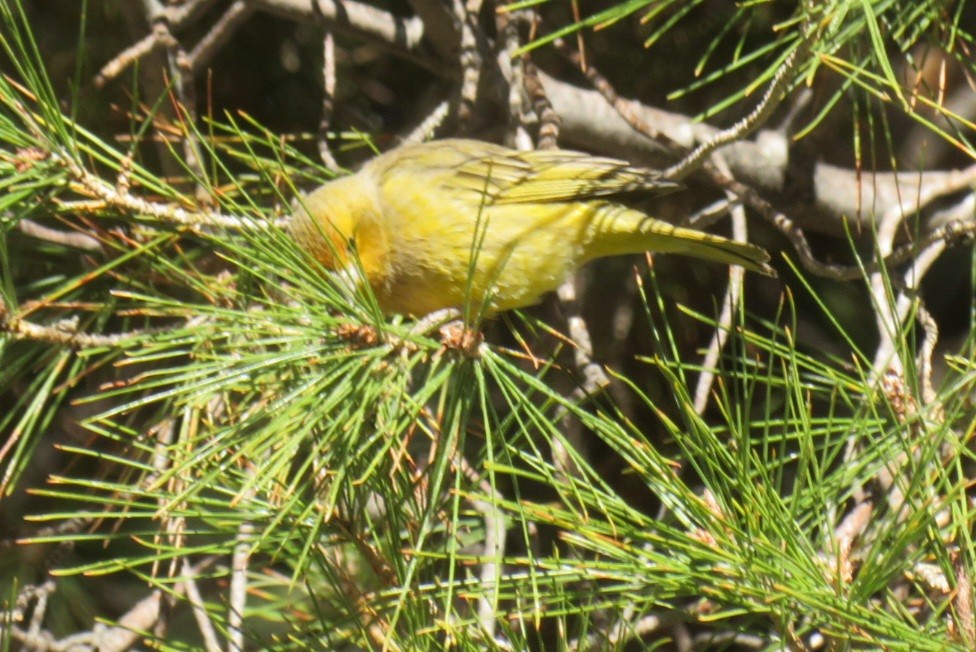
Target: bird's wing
<point>511,177</point>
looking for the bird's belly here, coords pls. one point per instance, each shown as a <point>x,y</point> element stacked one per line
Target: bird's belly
<point>516,264</point>
<point>537,265</point>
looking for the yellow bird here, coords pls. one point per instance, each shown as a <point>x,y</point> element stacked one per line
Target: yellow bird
<point>436,224</point>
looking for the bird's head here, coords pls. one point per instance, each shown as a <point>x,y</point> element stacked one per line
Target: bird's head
<point>326,221</point>
<point>341,226</point>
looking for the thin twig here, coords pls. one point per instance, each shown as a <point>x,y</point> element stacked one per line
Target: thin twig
<point>950,232</point>
<point>627,109</point>
<point>548,118</point>
<point>170,535</point>
<point>924,359</point>
<point>757,117</point>
<point>594,377</point>
<point>219,34</point>
<point>512,70</point>
<point>119,63</point>
<point>471,60</point>
<point>74,239</point>
<point>401,35</point>
<point>199,609</point>
<point>328,99</point>
<point>886,354</point>
<point>237,599</point>
<point>183,98</point>
<point>96,187</point>
<point>963,601</point>
<point>61,334</point>
<point>730,302</point>
<point>425,130</point>
<point>494,545</point>
<point>705,216</point>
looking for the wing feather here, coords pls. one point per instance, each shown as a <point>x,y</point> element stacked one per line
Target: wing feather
<point>511,177</point>
<point>505,176</point>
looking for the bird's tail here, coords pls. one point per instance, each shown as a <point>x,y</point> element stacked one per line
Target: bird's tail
<point>644,233</point>
<point>668,238</point>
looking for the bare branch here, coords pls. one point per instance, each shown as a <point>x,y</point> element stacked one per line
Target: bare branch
<point>219,34</point>
<point>626,111</point>
<point>75,239</point>
<point>425,129</point>
<point>924,359</point>
<point>494,544</point>
<point>471,60</point>
<point>744,128</point>
<point>891,314</point>
<point>189,583</point>
<point>328,99</point>
<point>61,334</point>
<point>175,215</point>
<point>399,35</point>
<point>402,36</point>
<point>512,70</point>
<point>130,55</point>
<point>730,302</point>
<point>548,118</point>
<point>238,587</point>
<point>594,377</point>
<point>964,602</point>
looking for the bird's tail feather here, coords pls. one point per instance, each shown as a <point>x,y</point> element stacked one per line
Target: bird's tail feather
<point>668,238</point>
<point>614,234</point>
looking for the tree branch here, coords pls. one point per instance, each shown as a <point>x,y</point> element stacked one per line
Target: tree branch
<point>840,195</point>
